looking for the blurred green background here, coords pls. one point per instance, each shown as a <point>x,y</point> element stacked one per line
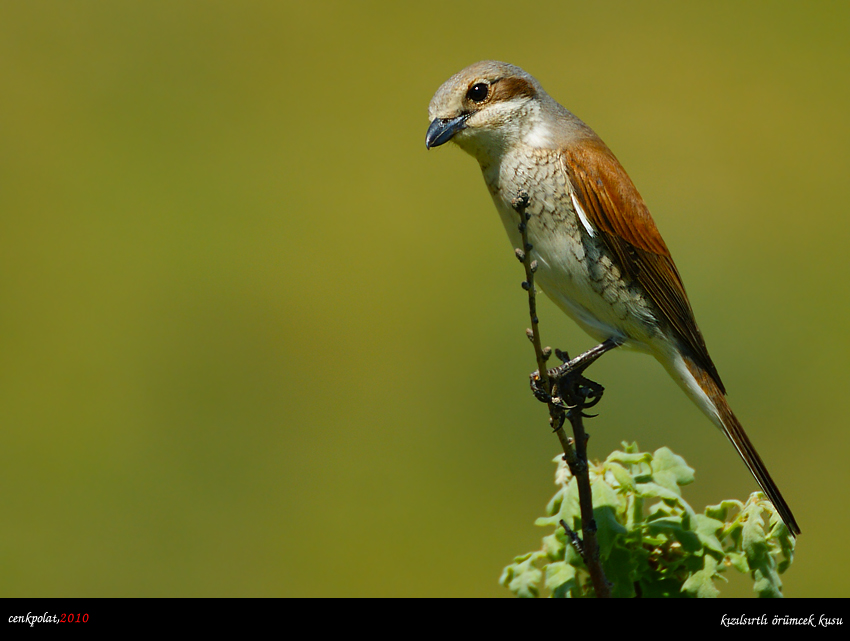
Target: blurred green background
<point>257,341</point>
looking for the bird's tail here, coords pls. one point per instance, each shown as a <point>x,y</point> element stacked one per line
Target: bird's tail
<point>706,393</point>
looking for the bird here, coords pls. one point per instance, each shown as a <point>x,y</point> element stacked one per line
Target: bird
<point>600,256</point>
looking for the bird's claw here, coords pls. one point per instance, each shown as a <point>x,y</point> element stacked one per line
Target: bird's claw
<point>583,392</point>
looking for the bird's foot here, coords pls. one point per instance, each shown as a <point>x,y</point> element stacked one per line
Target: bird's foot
<point>570,389</point>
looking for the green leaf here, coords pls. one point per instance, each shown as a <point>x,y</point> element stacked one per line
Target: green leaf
<point>607,503</point>
<point>608,530</point>
<point>707,530</point>
<point>554,505</point>
<point>721,510</point>
<point>656,491</point>
<point>689,540</point>
<point>621,476</point>
<point>700,584</point>
<point>672,466</point>
<point>570,510</point>
<point>522,579</point>
<point>620,569</point>
<point>560,579</point>
<point>638,463</point>
<point>738,561</point>
<point>755,545</point>
<point>604,495</point>
<point>650,536</point>
<point>554,544</point>
<point>629,459</point>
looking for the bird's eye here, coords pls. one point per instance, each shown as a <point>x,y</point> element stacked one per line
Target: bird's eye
<point>478,92</point>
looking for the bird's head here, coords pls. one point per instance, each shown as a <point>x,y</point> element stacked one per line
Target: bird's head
<point>485,108</point>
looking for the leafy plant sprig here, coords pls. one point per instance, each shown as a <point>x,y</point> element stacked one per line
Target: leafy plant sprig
<point>651,542</point>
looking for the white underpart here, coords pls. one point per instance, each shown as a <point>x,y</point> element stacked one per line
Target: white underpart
<point>539,136</point>
<point>582,216</point>
<point>675,365</point>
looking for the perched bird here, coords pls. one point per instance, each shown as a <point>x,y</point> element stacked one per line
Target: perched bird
<point>600,256</point>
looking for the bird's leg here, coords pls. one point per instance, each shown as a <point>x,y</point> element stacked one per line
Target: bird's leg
<point>570,389</point>
<point>582,361</point>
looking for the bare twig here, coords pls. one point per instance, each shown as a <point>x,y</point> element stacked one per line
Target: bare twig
<point>566,393</point>
<point>575,541</point>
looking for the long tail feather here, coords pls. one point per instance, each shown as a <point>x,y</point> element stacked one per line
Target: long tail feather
<point>733,430</point>
<point>712,401</point>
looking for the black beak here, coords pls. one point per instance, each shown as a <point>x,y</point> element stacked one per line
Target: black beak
<point>443,129</point>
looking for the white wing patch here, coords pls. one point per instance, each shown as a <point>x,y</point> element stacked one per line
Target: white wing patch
<point>582,216</point>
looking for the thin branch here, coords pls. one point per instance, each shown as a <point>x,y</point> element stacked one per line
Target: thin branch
<point>566,393</point>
